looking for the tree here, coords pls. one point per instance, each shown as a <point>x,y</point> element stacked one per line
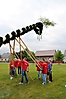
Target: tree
<point>59,56</point>
<point>46,22</point>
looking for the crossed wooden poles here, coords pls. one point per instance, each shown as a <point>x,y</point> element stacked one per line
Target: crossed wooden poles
<point>12,52</point>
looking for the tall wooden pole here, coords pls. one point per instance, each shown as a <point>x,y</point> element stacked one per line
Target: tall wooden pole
<point>11,53</point>
<point>13,48</point>
<point>20,49</point>
<point>14,51</point>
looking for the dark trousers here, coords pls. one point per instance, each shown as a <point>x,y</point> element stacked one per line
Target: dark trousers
<point>19,70</point>
<point>24,75</point>
<point>50,76</point>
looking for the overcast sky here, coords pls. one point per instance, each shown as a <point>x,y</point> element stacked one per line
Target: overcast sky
<point>15,14</point>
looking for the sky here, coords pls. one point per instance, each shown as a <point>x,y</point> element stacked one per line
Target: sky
<point>16,14</point>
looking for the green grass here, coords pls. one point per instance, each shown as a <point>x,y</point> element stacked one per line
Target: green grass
<point>10,89</point>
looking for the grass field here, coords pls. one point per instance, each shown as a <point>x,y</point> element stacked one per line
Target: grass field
<point>10,89</point>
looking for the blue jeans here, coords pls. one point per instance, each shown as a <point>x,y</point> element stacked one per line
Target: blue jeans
<point>44,78</point>
<point>24,74</point>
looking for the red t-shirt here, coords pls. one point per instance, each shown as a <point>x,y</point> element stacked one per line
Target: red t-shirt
<point>19,63</point>
<point>24,64</point>
<point>11,65</point>
<point>45,68</point>
<point>15,63</point>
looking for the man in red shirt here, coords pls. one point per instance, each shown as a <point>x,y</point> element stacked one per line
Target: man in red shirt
<point>15,66</point>
<point>25,67</point>
<point>44,71</point>
<point>39,65</point>
<point>11,69</point>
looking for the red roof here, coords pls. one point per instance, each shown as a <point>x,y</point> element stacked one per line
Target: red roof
<point>45,53</point>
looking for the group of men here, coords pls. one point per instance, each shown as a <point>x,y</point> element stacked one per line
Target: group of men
<point>44,68</point>
<point>22,66</point>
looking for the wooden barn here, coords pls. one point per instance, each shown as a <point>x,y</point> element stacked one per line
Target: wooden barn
<point>46,54</point>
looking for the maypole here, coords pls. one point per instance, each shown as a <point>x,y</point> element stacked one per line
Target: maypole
<point>38,27</point>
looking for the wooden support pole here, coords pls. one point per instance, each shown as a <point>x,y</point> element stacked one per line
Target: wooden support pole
<point>11,53</point>
<point>13,48</point>
<point>14,51</point>
<point>30,76</point>
<point>28,49</point>
<point>29,55</point>
<point>20,49</point>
